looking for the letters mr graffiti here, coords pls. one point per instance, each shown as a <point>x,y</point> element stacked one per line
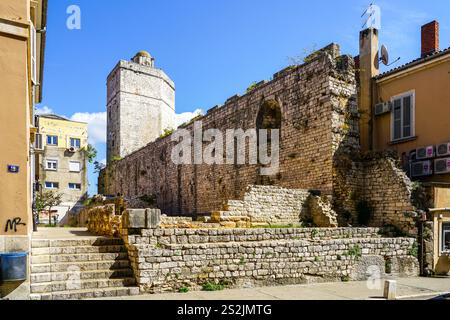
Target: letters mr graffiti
<point>12,224</point>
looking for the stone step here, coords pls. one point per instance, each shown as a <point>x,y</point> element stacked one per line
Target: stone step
<point>85,275</point>
<point>41,243</point>
<point>87,294</point>
<point>77,250</point>
<point>70,285</point>
<point>61,258</point>
<point>80,266</point>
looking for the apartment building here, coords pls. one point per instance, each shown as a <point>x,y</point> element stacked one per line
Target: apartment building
<point>61,163</point>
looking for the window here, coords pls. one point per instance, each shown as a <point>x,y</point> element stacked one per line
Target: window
<point>51,185</point>
<point>38,141</point>
<point>402,121</point>
<point>52,140</point>
<point>75,143</point>
<point>74,186</point>
<point>74,166</point>
<point>51,165</point>
<point>446,237</point>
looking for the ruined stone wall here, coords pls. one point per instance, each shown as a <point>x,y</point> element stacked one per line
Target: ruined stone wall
<point>376,182</point>
<point>317,107</point>
<point>389,192</point>
<point>268,205</point>
<point>170,259</point>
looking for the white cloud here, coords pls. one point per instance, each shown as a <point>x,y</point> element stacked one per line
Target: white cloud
<point>96,125</point>
<point>186,116</point>
<point>103,161</point>
<point>43,110</point>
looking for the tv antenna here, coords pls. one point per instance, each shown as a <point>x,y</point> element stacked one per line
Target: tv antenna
<point>373,13</point>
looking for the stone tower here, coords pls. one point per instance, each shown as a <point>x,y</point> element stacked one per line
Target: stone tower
<point>140,105</point>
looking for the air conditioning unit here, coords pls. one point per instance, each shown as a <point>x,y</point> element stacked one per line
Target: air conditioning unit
<point>442,166</point>
<point>421,169</point>
<point>382,108</point>
<point>443,149</point>
<point>425,153</point>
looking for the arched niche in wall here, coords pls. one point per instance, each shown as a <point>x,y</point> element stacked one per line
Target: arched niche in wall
<point>269,118</point>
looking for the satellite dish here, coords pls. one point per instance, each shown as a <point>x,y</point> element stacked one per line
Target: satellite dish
<point>384,55</point>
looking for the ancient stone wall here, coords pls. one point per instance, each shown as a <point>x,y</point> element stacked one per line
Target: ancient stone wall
<point>375,186</point>
<point>319,151</point>
<point>317,105</point>
<point>268,205</point>
<point>389,193</point>
<point>171,259</point>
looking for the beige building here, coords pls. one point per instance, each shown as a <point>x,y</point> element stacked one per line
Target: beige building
<point>22,44</point>
<point>61,164</point>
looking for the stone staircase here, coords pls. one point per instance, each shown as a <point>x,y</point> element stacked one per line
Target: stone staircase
<point>73,269</point>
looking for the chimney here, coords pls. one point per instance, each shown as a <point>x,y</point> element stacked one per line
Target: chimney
<point>368,68</point>
<point>430,38</point>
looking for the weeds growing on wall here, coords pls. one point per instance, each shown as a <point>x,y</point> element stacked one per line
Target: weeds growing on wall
<point>210,286</point>
<point>355,252</point>
<point>414,250</point>
<point>420,197</point>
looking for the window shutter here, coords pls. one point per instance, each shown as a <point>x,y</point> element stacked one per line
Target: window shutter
<point>33,54</point>
<point>407,116</point>
<point>397,119</point>
<point>74,166</point>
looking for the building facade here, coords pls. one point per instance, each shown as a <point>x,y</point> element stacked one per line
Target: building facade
<point>414,103</point>
<point>22,44</point>
<point>140,105</point>
<point>406,110</point>
<point>62,163</point>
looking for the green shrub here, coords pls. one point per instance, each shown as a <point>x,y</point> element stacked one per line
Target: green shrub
<point>414,250</point>
<point>388,265</point>
<point>167,132</point>
<point>183,290</point>
<point>355,252</point>
<point>210,286</point>
<point>345,278</point>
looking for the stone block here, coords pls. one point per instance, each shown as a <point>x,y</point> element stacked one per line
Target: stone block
<point>134,219</point>
<point>153,218</point>
<point>390,290</point>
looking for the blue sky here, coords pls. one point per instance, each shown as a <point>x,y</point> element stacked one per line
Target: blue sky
<point>212,49</point>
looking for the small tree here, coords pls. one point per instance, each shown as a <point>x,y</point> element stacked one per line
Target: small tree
<point>90,152</point>
<point>98,166</point>
<point>47,200</point>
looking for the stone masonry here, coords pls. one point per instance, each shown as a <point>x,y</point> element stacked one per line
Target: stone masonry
<point>140,105</point>
<point>319,150</point>
<point>277,205</point>
<point>317,103</point>
<point>171,259</point>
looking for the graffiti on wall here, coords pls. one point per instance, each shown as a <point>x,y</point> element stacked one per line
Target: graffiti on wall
<point>11,224</point>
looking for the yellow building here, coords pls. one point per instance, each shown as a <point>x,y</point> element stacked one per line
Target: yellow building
<point>413,118</point>
<point>61,164</point>
<point>22,43</point>
<point>413,106</point>
<point>407,110</point>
